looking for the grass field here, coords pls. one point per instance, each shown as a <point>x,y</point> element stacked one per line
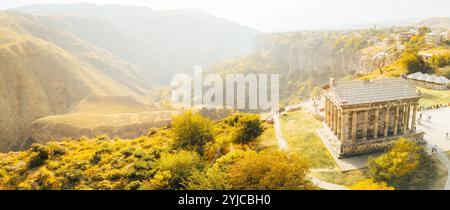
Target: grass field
<point>441,173</point>
<point>347,178</point>
<point>432,97</point>
<point>299,129</point>
<point>268,139</point>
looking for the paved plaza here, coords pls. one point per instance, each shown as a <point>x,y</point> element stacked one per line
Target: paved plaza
<point>436,129</point>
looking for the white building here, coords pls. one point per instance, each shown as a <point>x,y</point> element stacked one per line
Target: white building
<point>434,38</point>
<point>429,81</point>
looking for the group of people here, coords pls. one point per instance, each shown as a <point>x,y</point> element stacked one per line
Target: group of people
<point>429,108</point>
<point>432,107</point>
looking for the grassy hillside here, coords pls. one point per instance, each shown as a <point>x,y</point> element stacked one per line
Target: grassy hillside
<point>46,75</point>
<point>155,161</point>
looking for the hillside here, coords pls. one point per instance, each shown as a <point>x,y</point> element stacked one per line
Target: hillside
<point>168,41</point>
<point>304,60</point>
<point>64,67</point>
<point>436,23</point>
<point>44,72</point>
<point>159,161</point>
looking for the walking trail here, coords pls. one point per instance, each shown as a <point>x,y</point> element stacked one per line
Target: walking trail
<point>284,146</point>
<point>444,160</point>
<point>277,125</point>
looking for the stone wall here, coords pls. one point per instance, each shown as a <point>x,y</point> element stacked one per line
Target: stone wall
<point>375,145</point>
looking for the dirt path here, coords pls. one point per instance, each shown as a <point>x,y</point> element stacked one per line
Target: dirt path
<point>284,146</point>
<point>277,125</point>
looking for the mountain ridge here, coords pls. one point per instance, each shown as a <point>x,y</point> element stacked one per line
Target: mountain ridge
<point>170,41</point>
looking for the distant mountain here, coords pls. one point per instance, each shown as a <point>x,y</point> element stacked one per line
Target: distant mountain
<point>436,22</point>
<point>168,41</point>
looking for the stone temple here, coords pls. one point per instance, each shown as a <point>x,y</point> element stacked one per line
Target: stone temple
<point>369,116</point>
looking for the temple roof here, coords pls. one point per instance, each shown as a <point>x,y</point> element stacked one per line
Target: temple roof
<point>379,90</point>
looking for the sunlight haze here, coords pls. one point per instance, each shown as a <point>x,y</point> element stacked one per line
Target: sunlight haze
<point>285,15</point>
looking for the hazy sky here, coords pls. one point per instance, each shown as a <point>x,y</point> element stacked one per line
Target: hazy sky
<point>285,15</point>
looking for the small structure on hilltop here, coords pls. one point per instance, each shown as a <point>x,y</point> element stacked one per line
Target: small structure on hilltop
<point>429,81</point>
<point>369,116</point>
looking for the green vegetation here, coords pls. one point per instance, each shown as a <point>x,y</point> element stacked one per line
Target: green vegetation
<point>429,174</point>
<point>404,166</point>
<point>192,131</point>
<point>433,97</point>
<point>347,178</point>
<point>440,60</point>
<point>370,184</point>
<point>413,62</point>
<point>269,169</point>
<point>248,128</point>
<point>192,154</point>
<point>299,129</point>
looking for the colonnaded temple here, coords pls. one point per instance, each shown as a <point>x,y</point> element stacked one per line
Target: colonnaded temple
<point>369,116</point>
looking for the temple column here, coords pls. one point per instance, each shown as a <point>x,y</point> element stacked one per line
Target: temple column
<point>338,129</point>
<point>344,126</point>
<point>366,124</point>
<point>375,125</point>
<point>330,124</point>
<point>397,110</point>
<point>386,122</point>
<point>405,119</point>
<point>413,126</point>
<point>326,111</point>
<point>354,116</point>
<point>335,114</point>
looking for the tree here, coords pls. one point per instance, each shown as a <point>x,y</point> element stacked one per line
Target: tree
<point>423,30</point>
<point>269,169</point>
<point>370,184</point>
<point>440,60</point>
<point>380,62</point>
<point>192,131</point>
<point>413,62</point>
<point>395,166</point>
<point>248,128</point>
<point>180,165</point>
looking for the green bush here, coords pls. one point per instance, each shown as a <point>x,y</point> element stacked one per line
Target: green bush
<point>247,129</point>
<point>38,155</point>
<point>133,185</point>
<point>441,60</point>
<point>192,131</point>
<point>127,152</point>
